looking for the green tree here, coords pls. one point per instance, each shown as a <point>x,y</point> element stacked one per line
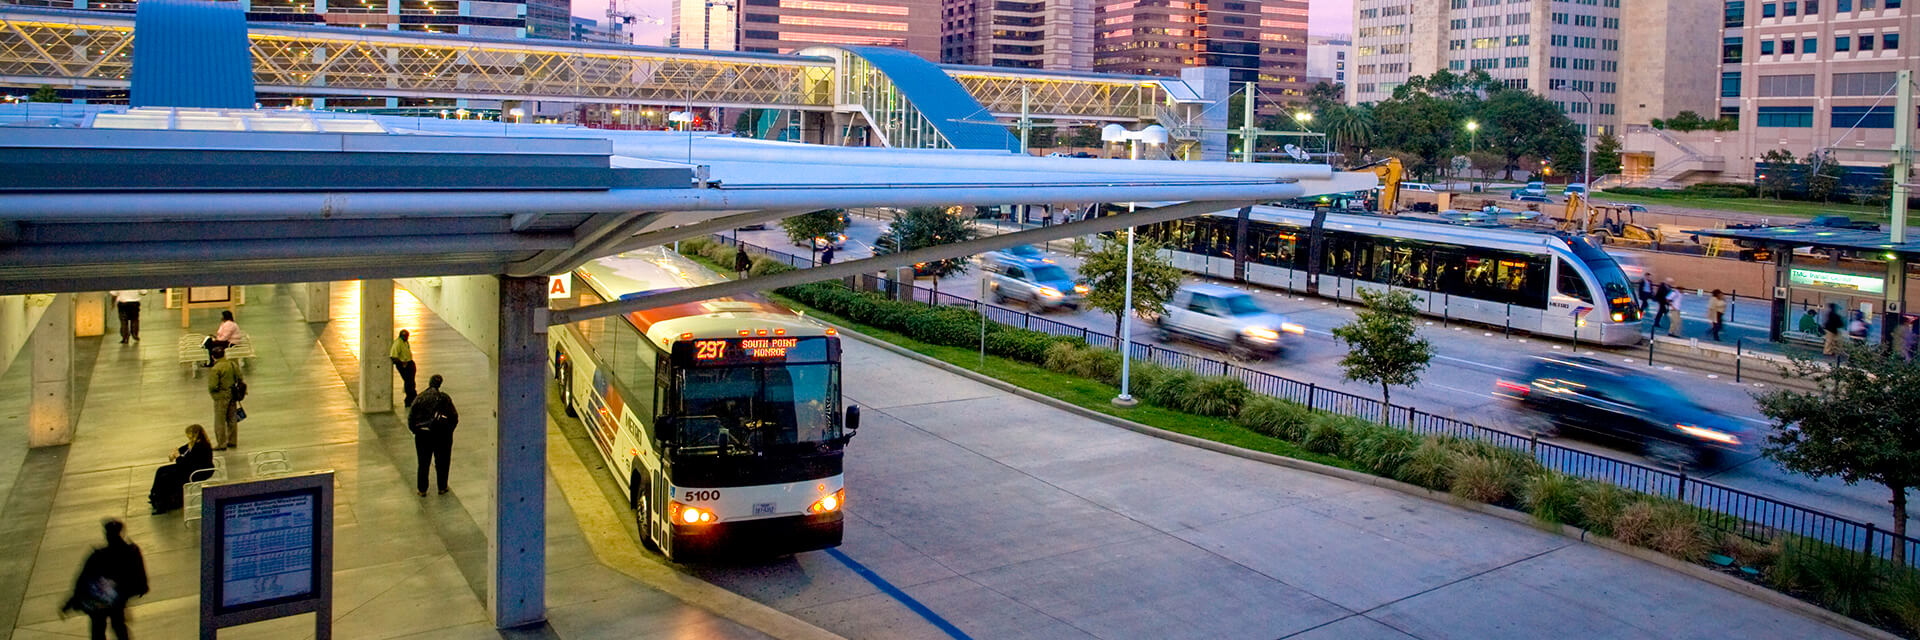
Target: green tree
<point>1688,121</point>
<point>1350,128</point>
<point>1606,155</point>
<point>44,94</point>
<point>1325,95</point>
<point>1520,123</point>
<point>1485,163</point>
<point>1823,178</point>
<point>803,228</point>
<point>1087,136</point>
<point>1781,169</point>
<point>1422,125</point>
<point>1154,278</point>
<point>1382,346</point>
<point>922,227</point>
<point>1860,422</point>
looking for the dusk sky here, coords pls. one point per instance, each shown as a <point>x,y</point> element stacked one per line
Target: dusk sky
<point>1328,17</point>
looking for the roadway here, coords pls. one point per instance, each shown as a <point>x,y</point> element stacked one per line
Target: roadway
<point>1459,383</point>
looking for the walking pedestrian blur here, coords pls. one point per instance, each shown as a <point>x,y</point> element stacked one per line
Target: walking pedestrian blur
<point>432,420</point>
<point>742,263</point>
<point>127,301</point>
<point>1831,326</point>
<point>1913,336</point>
<point>1717,311</point>
<point>1903,336</point>
<point>112,576</point>
<point>228,388</point>
<point>223,336</point>
<point>1672,302</point>
<point>402,356</point>
<point>193,456</point>
<point>826,256</point>
<point>1646,291</point>
<point>1661,297</point>
<point>1857,327</point>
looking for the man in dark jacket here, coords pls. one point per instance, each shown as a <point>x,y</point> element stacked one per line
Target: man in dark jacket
<point>113,575</point>
<point>742,263</point>
<point>432,420</point>
<point>1661,296</point>
<point>1831,325</point>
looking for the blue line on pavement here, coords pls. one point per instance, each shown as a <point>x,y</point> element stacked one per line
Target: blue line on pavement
<point>895,593</point>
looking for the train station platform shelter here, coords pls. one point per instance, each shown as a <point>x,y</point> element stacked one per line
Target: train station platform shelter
<point>1801,276</point>
<point>472,218</point>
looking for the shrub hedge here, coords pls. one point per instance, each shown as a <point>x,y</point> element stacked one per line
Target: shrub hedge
<point>947,326</point>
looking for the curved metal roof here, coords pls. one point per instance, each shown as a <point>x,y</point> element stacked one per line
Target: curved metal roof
<point>192,53</point>
<point>947,105</point>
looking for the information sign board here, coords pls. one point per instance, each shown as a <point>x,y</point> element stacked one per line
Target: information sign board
<point>268,545</point>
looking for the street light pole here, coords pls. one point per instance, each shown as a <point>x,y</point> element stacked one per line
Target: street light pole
<point>1473,147</point>
<point>1125,399</point>
<point>1586,144</point>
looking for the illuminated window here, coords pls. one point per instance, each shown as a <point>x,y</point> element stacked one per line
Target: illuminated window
<point>843,23</point>
<point>843,7</point>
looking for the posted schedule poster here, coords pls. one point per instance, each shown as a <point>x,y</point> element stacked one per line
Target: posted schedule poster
<point>268,545</point>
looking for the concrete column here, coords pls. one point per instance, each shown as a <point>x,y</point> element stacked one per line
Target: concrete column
<point>1896,300</point>
<point>376,338</point>
<point>90,314</point>
<point>50,411</point>
<point>516,552</point>
<point>315,300</point>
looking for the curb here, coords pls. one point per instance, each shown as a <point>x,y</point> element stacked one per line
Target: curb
<point>1662,560</point>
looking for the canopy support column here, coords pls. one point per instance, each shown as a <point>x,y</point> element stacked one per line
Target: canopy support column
<point>517,550</point>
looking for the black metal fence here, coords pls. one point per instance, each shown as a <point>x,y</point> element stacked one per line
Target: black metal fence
<point>1747,514</point>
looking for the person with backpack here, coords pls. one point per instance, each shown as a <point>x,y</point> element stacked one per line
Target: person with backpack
<point>432,420</point>
<point>742,263</point>
<point>228,388</point>
<point>112,576</point>
<point>1661,300</point>
<point>1831,326</point>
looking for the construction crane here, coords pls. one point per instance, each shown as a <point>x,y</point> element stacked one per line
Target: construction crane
<point>1390,172</point>
<point>618,18</point>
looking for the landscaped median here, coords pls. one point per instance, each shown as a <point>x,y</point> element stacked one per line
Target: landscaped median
<point>1224,410</point>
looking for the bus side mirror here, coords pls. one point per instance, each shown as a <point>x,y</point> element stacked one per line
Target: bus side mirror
<point>853,420</point>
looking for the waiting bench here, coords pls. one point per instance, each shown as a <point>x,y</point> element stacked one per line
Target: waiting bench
<point>192,355</point>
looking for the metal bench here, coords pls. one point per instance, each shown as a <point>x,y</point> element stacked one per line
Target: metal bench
<point>190,492</point>
<point>192,355</point>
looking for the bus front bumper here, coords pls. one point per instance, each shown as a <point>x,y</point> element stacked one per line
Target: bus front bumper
<point>763,537</point>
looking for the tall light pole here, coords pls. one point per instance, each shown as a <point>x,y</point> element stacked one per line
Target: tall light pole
<point>1473,146</point>
<point>1152,134</point>
<point>1586,144</point>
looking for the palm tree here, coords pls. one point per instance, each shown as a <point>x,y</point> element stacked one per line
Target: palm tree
<point>1349,126</point>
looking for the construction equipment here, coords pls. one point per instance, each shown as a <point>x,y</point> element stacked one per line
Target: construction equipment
<point>1608,222</point>
<point>1389,171</point>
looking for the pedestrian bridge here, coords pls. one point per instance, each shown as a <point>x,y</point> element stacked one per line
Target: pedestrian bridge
<point>86,49</point>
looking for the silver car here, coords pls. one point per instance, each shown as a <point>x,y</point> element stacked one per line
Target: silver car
<point>1039,284</point>
<point>1227,318</point>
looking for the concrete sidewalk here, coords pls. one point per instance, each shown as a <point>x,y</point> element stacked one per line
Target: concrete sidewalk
<point>1002,517</point>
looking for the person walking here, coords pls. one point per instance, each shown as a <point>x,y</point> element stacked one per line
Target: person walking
<point>742,263</point>
<point>127,301</point>
<point>1646,291</point>
<point>432,420</point>
<point>223,336</point>
<point>1831,326</point>
<point>826,257</point>
<point>1672,302</point>
<point>112,576</point>
<point>402,356</point>
<point>193,456</point>
<point>228,388</point>
<point>1857,327</point>
<point>1717,311</point>
<point>1661,298</point>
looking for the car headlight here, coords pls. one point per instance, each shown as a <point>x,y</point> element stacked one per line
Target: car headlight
<point>1293,328</point>
<point>1704,433</point>
<point>830,503</point>
<point>1081,289</point>
<point>1049,292</point>
<point>688,514</point>
<point>1261,333</point>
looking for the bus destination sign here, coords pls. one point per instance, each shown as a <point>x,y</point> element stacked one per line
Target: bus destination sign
<point>758,350</point>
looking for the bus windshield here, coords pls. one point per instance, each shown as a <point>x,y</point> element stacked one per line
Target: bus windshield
<point>757,410</point>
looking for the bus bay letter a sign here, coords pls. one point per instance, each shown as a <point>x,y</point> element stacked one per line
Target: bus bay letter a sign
<point>560,286</point>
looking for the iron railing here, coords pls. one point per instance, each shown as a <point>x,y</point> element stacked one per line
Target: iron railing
<point>1722,507</point>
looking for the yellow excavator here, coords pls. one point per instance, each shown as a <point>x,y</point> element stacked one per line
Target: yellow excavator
<point>1390,172</point>
<point>1607,222</point>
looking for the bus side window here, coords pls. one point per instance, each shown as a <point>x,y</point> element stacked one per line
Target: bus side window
<point>1569,282</point>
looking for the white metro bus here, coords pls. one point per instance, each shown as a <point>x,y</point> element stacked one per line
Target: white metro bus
<point>720,419</point>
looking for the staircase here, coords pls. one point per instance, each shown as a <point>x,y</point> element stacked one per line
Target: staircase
<point>1683,161</point>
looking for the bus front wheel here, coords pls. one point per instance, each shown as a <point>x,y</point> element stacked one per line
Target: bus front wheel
<point>643,511</point>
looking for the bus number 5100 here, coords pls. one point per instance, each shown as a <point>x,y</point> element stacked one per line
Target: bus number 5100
<point>696,496</point>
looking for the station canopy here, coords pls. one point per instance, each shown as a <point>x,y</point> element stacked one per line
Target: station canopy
<point>100,197</point>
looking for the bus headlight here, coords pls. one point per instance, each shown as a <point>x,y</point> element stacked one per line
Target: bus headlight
<point>687,514</point>
<point>829,504</point>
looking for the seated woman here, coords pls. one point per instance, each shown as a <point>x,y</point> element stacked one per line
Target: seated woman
<point>193,456</point>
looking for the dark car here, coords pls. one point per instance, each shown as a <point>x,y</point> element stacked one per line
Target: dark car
<point>1601,398</point>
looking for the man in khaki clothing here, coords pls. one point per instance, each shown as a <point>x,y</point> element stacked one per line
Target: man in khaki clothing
<point>227,387</point>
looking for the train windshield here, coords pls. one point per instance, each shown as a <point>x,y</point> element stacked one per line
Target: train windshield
<point>1614,285</point>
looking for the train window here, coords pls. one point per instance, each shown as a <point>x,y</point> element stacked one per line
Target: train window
<point>1569,282</point>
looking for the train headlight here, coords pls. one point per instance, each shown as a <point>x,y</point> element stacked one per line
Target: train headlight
<point>829,504</point>
<point>1619,316</point>
<point>688,514</point>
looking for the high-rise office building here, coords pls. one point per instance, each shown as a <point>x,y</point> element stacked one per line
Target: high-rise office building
<point>1566,51</point>
<point>1036,34</point>
<point>704,24</point>
<point>550,19</point>
<point>493,19</point>
<point>1806,76</point>
<point>1327,59</point>
<point>783,26</point>
<point>1262,41</point>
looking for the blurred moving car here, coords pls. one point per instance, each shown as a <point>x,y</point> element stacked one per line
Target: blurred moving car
<point>1528,197</point>
<point>1535,188</point>
<point>1016,252</point>
<point>1601,398</point>
<point>1416,186</point>
<point>1039,285</point>
<point>1227,318</point>
<point>836,240</point>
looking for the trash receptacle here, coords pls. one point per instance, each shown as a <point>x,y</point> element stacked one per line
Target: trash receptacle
<point>1476,188</point>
